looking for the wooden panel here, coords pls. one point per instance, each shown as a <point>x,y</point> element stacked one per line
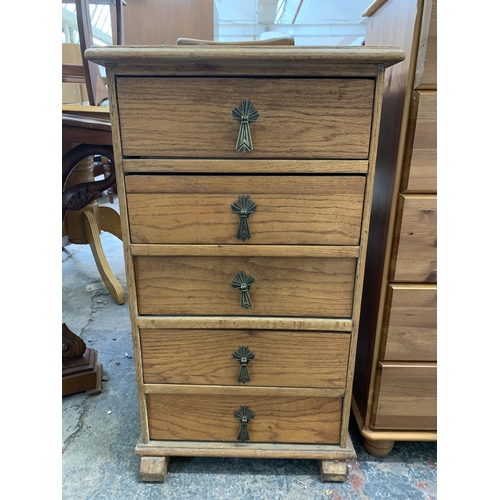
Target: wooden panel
<point>237,60</point>
<point>407,397</point>
<point>426,70</point>
<point>409,332</point>
<point>277,419</point>
<point>204,166</point>
<point>318,287</point>
<point>290,210</point>
<point>238,322</point>
<point>248,450</point>
<point>75,93</point>
<point>392,24</point>
<point>156,22</point>
<point>286,359</point>
<point>419,173</point>
<point>161,250</point>
<point>299,118</point>
<point>415,250</point>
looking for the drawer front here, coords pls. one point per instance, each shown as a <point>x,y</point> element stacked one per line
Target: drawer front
<point>407,397</point>
<point>297,210</point>
<point>193,117</point>
<point>283,286</point>
<point>275,358</point>
<point>415,251</point>
<point>420,164</point>
<point>277,419</point>
<point>409,332</point>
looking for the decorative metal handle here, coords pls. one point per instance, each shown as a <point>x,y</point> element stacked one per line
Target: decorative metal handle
<point>246,114</point>
<point>244,206</point>
<point>243,281</point>
<point>244,414</point>
<point>244,355</point>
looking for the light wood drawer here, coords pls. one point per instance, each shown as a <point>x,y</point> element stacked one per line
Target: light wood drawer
<point>414,256</point>
<point>420,162</point>
<point>283,286</point>
<point>409,332</point>
<point>281,358</point>
<point>314,210</point>
<point>277,419</point>
<point>407,397</point>
<point>192,117</point>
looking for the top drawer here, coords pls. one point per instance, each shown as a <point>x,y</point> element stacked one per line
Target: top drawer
<point>193,117</point>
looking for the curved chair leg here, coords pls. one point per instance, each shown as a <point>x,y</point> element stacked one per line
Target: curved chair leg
<point>94,240</point>
<point>110,221</point>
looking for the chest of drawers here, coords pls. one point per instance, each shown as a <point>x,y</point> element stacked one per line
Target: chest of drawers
<point>245,184</point>
<point>395,382</point>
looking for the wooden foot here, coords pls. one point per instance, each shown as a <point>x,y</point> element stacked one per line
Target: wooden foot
<point>80,369</point>
<point>94,240</point>
<point>153,469</point>
<point>378,448</point>
<point>333,470</point>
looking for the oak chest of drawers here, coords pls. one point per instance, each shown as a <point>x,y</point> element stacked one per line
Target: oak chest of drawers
<point>395,383</point>
<point>245,182</point>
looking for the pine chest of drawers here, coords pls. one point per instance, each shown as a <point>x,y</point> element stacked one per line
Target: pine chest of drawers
<point>245,184</point>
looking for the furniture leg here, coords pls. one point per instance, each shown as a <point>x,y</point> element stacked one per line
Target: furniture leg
<point>80,369</point>
<point>94,240</point>
<point>378,448</point>
<point>110,221</point>
<point>153,469</point>
<point>333,470</point>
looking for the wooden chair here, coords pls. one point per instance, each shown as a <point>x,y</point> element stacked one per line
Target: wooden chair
<point>88,72</point>
<point>86,134</point>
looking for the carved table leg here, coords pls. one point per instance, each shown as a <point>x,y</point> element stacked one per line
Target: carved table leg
<point>80,369</point>
<point>110,221</point>
<point>82,215</point>
<point>94,240</point>
<point>153,469</point>
<point>333,470</point>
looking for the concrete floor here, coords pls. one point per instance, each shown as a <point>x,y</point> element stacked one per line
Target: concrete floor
<point>99,432</point>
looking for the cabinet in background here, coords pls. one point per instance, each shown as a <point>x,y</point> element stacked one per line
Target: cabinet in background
<point>395,382</point>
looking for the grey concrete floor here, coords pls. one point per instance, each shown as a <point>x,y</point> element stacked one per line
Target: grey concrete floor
<point>99,432</point>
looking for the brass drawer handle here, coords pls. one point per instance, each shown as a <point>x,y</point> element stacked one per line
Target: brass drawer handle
<point>244,206</point>
<point>244,355</point>
<point>246,114</point>
<point>244,414</point>
<point>243,281</point>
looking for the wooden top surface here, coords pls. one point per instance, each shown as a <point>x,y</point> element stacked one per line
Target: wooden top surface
<point>161,54</point>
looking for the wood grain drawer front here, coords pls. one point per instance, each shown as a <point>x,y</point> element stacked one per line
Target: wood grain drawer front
<point>420,162</point>
<point>283,286</point>
<point>298,118</point>
<point>409,332</point>
<point>415,252</point>
<point>281,359</point>
<point>291,210</point>
<point>277,419</point>
<point>407,397</point>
